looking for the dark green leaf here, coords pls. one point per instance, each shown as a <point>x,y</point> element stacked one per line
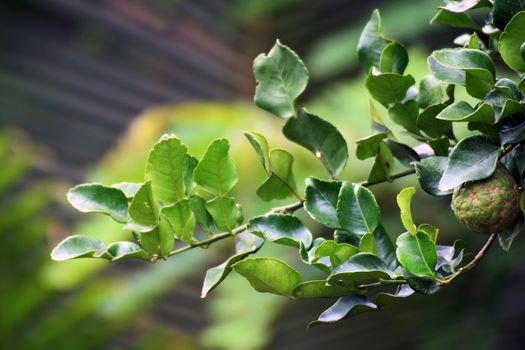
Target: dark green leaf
<point>389,88</point>
<point>203,218</point>
<point>417,253</point>
<point>394,58</point>
<point>429,172</point>
<point>319,137</point>
<point>260,145</point>
<point>430,92</point>
<point>463,112</point>
<point>362,266</point>
<point>282,229</point>
<point>269,275</point>
<point>423,285</point>
<point>428,122</point>
<point>478,82</point>
<point>345,307</point>
<point>319,289</point>
<point>440,146</point>
<point>450,65</point>
<point>180,219</point>
<point>471,159</point>
<point>385,299</point>
<point>321,201</point>
<point>96,198</point>
<point>368,147</point>
<point>371,42</point>
<point>143,209</point>
<point>216,172</point>
<point>504,10</point>
<point>125,250</point>
<point>281,78</point>
<point>512,135</point>
<point>347,237</point>
<point>79,246</point>
<point>281,182</point>
<point>357,209</point>
<point>224,212</point>
<point>383,164</point>
<point>405,114</point>
<point>405,154</point>
<point>386,250</point>
<point>511,41</point>
<point>455,19</point>
<point>165,169</point>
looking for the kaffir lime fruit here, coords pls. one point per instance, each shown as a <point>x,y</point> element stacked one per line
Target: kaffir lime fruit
<point>490,205</point>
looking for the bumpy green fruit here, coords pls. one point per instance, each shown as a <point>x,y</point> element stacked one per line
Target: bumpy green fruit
<point>490,205</point>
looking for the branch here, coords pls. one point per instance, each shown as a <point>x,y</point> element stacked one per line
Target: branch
<point>471,264</point>
<point>285,209</point>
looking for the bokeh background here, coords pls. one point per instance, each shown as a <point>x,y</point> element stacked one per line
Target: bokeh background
<point>87,86</point>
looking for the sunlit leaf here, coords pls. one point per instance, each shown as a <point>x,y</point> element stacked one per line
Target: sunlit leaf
<point>96,198</point>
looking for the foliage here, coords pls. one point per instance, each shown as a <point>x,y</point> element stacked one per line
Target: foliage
<point>183,198</point>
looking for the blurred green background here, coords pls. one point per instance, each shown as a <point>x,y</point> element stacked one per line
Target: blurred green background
<point>86,87</point>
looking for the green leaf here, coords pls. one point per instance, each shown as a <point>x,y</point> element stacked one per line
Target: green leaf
<point>451,66</point>
<point>471,159</point>
<point>440,146</point>
<point>95,198</point>
<point>417,253</point>
<point>319,137</point>
<point>281,182</point>
<point>281,78</point>
<point>357,209</point>
<point>362,266</point>
<point>464,5</point>
<point>385,247</point>
<point>143,209</point>
<point>405,114</point>
<point>368,244</point>
<point>260,145</point>
<point>282,229</point>
<point>181,219</point>
<point>511,41</point>
<point>389,88</point>
<point>506,237</point>
<point>150,240</point>
<point>166,236</point>
<point>454,19</point>
<point>269,275</point>
<point>79,246</point>
<point>429,172</point>
<point>371,42</point>
<point>125,250</point>
<point>430,92</point>
<point>224,212</point>
<point>336,252</point>
<point>430,231</point>
<point>383,300</point>
<point>404,198</point>
<point>321,201</point>
<point>345,307</point>
<point>319,289</point>
<point>512,135</point>
<point>216,172</point>
<point>423,285</point>
<point>463,112</point>
<point>128,188</point>
<point>428,123</point>
<point>165,169</point>
<point>347,237</point>
<point>202,217</point>
<point>383,164</point>
<point>368,147</point>
<point>405,154</point>
<point>188,168</point>
<point>215,275</point>
<point>394,58</point>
